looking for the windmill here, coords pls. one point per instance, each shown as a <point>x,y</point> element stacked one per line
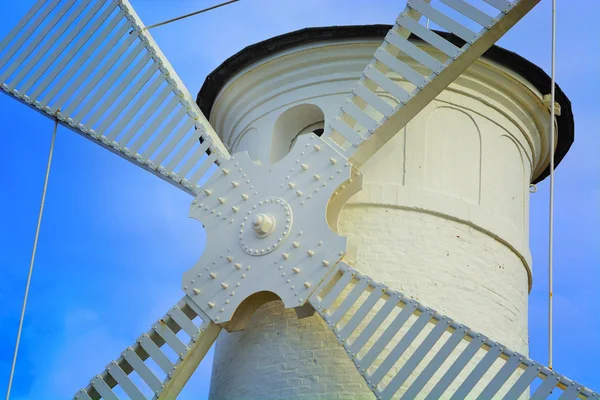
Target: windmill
<point>269,247</point>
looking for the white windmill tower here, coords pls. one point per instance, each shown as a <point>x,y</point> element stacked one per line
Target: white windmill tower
<point>269,227</point>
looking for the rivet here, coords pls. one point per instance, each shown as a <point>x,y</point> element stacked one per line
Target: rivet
<point>291,185</point>
<point>232,293</point>
<point>229,258</point>
<point>225,171</point>
<point>325,263</point>
<point>332,160</point>
<point>317,147</point>
<point>304,166</point>
<point>296,270</point>
<point>299,193</point>
<point>296,244</point>
<point>235,209</point>
<point>227,301</point>
<point>213,275</point>
<point>207,192</point>
<point>285,256</point>
<point>211,304</point>
<point>238,266</point>
<point>234,184</point>
<point>224,285</point>
<point>307,284</point>
<point>310,253</point>
<point>196,291</point>
<point>243,276</point>
<point>221,200</point>
<point>245,196</point>
<point>317,177</point>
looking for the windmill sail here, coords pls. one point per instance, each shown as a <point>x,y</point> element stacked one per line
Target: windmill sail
<point>91,65</point>
<point>366,121</point>
<point>355,306</point>
<point>163,340</point>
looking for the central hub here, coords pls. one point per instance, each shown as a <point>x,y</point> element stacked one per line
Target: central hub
<point>265,226</point>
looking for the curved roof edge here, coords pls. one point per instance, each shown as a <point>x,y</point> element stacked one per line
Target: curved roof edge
<point>250,54</point>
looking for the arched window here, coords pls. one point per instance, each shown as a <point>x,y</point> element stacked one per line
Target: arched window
<point>316,128</point>
<point>296,121</point>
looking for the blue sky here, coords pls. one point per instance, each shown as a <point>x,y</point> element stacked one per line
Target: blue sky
<point>115,240</point>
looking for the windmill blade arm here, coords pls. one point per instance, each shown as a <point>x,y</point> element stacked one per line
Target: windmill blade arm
<point>398,345</point>
<point>166,381</point>
<point>92,66</point>
<point>366,121</point>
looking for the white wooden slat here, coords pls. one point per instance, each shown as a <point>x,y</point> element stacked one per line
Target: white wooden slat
<point>477,373</point>
<point>173,141</point>
<point>102,388</point>
<point>170,338</point>
<point>142,370</point>
<point>374,324</point>
<point>21,24</point>
<point>360,116</point>
<point>97,74</point>
<point>336,290</point>
<point>571,393</point>
<point>400,347</point>
<point>546,388</point>
<point>67,57</point>
<point>414,52</point>
<point>82,395</point>
<point>388,85</point>
<point>121,87</point>
<point>157,120</point>
<point>35,42</point>
<point>125,382</point>
<point>373,100</point>
<point>206,164</point>
<point>349,301</point>
<point>523,382</point>
<point>80,59</point>
<point>165,132</point>
<point>183,321</point>
<point>34,58</point>
<point>459,364</point>
<point>348,133</point>
<point>387,335</point>
<point>156,354</point>
<point>443,20</point>
<point>16,45</point>
<point>470,12</point>
<point>501,377</point>
<point>145,116</point>
<point>196,155</point>
<point>100,90</point>
<point>429,36</point>
<point>361,313</point>
<point>411,364</point>
<point>132,111</point>
<point>75,84</point>
<point>401,68</point>
<point>61,45</point>
<point>435,363</point>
